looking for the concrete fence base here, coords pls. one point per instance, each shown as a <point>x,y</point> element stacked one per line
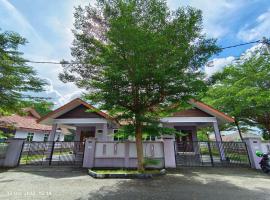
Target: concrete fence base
<point>159,154</point>
<point>12,155</point>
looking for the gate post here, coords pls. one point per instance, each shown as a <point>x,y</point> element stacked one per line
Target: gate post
<point>89,153</point>
<point>253,145</point>
<point>169,153</point>
<point>13,153</point>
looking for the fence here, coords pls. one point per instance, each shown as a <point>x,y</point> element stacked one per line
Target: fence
<point>211,154</point>
<point>52,153</point>
<point>122,154</point>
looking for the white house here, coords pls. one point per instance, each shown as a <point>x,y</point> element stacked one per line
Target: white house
<point>26,127</point>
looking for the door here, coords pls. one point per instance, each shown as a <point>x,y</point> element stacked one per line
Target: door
<point>184,143</point>
<point>87,133</point>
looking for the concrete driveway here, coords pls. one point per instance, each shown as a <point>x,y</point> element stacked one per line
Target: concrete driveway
<point>193,183</point>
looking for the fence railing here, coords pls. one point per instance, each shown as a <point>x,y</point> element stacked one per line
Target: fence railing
<point>52,153</point>
<point>211,153</point>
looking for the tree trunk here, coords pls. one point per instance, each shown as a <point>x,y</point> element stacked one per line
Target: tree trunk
<point>239,130</point>
<point>139,145</point>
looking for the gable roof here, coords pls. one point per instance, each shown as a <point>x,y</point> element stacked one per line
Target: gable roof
<point>70,106</point>
<point>212,111</point>
<point>32,112</point>
<point>27,122</point>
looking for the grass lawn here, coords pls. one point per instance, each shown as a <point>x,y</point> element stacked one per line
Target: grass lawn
<point>40,157</point>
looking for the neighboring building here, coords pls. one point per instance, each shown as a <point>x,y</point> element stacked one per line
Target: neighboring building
<point>26,127</point>
<point>234,136</point>
<point>101,126</point>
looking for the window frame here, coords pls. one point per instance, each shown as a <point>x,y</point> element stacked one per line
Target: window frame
<point>46,135</point>
<point>30,136</point>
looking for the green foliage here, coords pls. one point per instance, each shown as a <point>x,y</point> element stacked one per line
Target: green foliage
<point>243,91</point>
<point>150,127</point>
<point>4,135</point>
<point>139,56</point>
<point>16,77</point>
<point>69,138</point>
<point>202,135</point>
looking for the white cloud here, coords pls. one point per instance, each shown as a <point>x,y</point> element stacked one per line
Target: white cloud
<point>257,31</point>
<point>58,98</point>
<point>217,64</point>
<point>215,13</point>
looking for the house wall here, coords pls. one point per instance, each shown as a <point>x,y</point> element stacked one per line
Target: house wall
<point>38,136</point>
<point>183,127</point>
<point>106,135</point>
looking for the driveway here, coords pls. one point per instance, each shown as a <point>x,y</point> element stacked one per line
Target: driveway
<point>193,183</point>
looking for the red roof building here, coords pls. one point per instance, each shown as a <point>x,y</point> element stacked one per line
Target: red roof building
<point>25,126</point>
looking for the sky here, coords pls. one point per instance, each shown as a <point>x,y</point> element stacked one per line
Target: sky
<point>47,26</point>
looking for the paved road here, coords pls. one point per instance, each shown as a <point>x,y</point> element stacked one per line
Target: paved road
<point>194,183</point>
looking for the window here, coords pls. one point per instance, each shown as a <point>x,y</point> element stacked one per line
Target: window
<point>30,137</point>
<point>46,136</point>
<point>100,131</point>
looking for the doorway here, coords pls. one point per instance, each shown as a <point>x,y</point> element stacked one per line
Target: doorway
<point>88,132</point>
<point>184,142</point>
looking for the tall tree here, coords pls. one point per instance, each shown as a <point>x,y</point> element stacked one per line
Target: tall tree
<point>16,77</point>
<point>137,55</point>
<point>243,91</point>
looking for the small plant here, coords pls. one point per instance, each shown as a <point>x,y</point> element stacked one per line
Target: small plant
<point>151,161</point>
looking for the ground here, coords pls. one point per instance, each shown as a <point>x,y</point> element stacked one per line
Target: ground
<point>193,183</point>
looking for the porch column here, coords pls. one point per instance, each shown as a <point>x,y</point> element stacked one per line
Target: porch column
<point>52,134</point>
<point>219,141</point>
<point>77,134</point>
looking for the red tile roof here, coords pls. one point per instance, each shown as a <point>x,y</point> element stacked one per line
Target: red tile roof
<point>24,122</point>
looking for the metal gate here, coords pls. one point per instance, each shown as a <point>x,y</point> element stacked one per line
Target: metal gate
<point>52,153</point>
<point>211,153</point>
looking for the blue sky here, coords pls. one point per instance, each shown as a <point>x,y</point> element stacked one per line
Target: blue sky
<point>47,25</point>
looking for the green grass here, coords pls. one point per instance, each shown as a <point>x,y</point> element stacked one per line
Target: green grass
<point>125,171</point>
<point>30,158</point>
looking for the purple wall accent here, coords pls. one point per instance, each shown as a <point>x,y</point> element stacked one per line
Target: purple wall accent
<point>124,157</point>
<point>89,153</point>
<point>126,154</point>
<point>104,149</point>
